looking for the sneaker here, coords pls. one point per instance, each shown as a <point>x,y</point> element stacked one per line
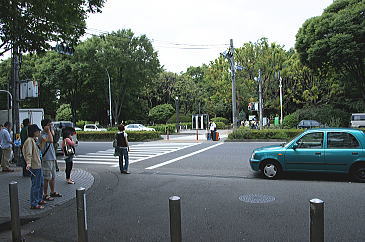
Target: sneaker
<point>126,172</point>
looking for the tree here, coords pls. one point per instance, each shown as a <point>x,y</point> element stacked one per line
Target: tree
<point>32,25</point>
<point>336,40</point>
<point>161,113</point>
<point>64,113</point>
<point>131,63</point>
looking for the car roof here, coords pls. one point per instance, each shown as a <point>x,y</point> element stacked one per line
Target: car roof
<point>334,129</point>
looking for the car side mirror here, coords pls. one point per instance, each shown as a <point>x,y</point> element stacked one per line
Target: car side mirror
<point>295,146</point>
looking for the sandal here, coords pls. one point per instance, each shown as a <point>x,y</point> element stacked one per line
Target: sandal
<point>55,194</point>
<point>42,202</point>
<point>37,207</point>
<point>47,198</point>
<point>70,182</point>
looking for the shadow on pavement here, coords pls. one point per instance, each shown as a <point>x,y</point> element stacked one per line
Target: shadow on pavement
<point>301,176</point>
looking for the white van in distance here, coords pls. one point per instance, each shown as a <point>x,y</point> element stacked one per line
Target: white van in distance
<point>358,120</point>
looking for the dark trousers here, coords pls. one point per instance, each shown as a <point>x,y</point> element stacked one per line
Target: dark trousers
<point>123,153</point>
<point>69,164</point>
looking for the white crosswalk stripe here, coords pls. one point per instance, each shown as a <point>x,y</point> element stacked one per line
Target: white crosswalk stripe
<point>137,153</point>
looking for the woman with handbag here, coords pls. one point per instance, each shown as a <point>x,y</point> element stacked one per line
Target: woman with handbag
<point>68,147</point>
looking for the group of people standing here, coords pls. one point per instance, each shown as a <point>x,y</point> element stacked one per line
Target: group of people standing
<point>38,154</point>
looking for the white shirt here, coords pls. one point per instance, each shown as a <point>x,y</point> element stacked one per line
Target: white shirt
<point>213,126</point>
<point>5,139</point>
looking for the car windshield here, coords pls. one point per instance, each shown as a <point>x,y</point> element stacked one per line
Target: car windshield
<point>99,126</point>
<point>67,124</point>
<point>141,126</point>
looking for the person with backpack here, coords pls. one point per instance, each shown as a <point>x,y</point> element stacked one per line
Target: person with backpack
<point>122,149</point>
<point>68,148</point>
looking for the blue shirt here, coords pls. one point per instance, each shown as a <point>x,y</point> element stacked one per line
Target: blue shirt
<point>5,139</point>
<point>51,153</point>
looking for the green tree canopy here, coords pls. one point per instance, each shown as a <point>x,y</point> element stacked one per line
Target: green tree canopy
<point>336,40</point>
<point>161,113</point>
<point>32,25</point>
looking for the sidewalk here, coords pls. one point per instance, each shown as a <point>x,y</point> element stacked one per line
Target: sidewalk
<point>190,135</point>
<point>82,179</point>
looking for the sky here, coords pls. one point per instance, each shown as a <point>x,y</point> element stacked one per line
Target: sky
<point>190,33</point>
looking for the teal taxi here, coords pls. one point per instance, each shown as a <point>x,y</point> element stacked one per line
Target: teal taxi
<point>330,150</point>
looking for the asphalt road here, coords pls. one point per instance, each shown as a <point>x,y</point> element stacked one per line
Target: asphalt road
<point>210,178</point>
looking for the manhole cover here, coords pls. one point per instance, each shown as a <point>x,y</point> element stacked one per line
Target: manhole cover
<point>256,198</point>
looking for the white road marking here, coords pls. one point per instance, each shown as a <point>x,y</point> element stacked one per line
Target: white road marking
<point>137,153</point>
<point>182,157</point>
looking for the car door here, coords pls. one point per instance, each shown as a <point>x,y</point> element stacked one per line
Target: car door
<point>309,154</point>
<point>341,151</point>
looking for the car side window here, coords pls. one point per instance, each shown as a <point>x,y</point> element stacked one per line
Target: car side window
<point>341,140</point>
<point>311,141</point>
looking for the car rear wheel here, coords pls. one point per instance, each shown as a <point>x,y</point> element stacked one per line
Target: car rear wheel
<point>271,170</point>
<point>358,173</point>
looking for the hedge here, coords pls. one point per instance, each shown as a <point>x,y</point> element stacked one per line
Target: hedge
<point>133,136</point>
<point>326,115</point>
<point>220,119</point>
<point>281,134</point>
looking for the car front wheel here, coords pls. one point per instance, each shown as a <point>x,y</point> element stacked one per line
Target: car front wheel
<point>358,173</point>
<point>271,170</point>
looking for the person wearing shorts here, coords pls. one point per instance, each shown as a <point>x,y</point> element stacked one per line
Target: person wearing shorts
<point>48,160</point>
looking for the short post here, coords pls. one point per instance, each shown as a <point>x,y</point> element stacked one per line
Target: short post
<point>197,134</point>
<point>316,220</point>
<point>14,210</point>
<point>81,215</point>
<point>167,130</point>
<point>175,218</point>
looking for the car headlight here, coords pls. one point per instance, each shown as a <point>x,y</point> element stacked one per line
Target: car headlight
<point>253,155</point>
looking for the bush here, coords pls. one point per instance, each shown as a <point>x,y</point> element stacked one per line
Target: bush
<point>161,128</point>
<point>326,115</point>
<point>64,113</point>
<point>81,123</point>
<point>291,120</point>
<point>109,136</point>
<point>282,134</point>
<point>220,119</point>
<point>161,113</point>
<point>220,125</point>
<point>182,119</point>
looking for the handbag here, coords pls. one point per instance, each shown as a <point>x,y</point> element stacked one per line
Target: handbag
<point>68,150</point>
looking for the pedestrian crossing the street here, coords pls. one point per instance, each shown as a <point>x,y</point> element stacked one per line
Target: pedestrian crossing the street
<point>137,153</point>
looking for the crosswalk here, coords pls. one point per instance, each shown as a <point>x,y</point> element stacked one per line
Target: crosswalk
<point>137,153</point>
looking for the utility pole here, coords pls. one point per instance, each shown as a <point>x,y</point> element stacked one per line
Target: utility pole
<point>233,73</point>
<point>281,100</point>
<point>14,85</point>
<point>260,98</point>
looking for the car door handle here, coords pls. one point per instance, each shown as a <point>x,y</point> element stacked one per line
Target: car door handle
<point>318,153</point>
<point>355,153</point>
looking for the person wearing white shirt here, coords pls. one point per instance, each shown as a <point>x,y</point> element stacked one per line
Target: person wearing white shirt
<point>212,128</point>
<point>6,147</point>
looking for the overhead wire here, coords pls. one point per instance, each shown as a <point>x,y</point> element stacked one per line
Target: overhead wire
<point>168,44</point>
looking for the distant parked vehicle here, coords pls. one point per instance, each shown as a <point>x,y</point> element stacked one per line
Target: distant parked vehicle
<point>94,127</point>
<point>308,124</point>
<point>138,127</point>
<point>58,126</point>
<point>358,120</point>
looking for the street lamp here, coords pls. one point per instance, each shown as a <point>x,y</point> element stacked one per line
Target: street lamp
<point>177,114</point>
<point>110,100</point>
